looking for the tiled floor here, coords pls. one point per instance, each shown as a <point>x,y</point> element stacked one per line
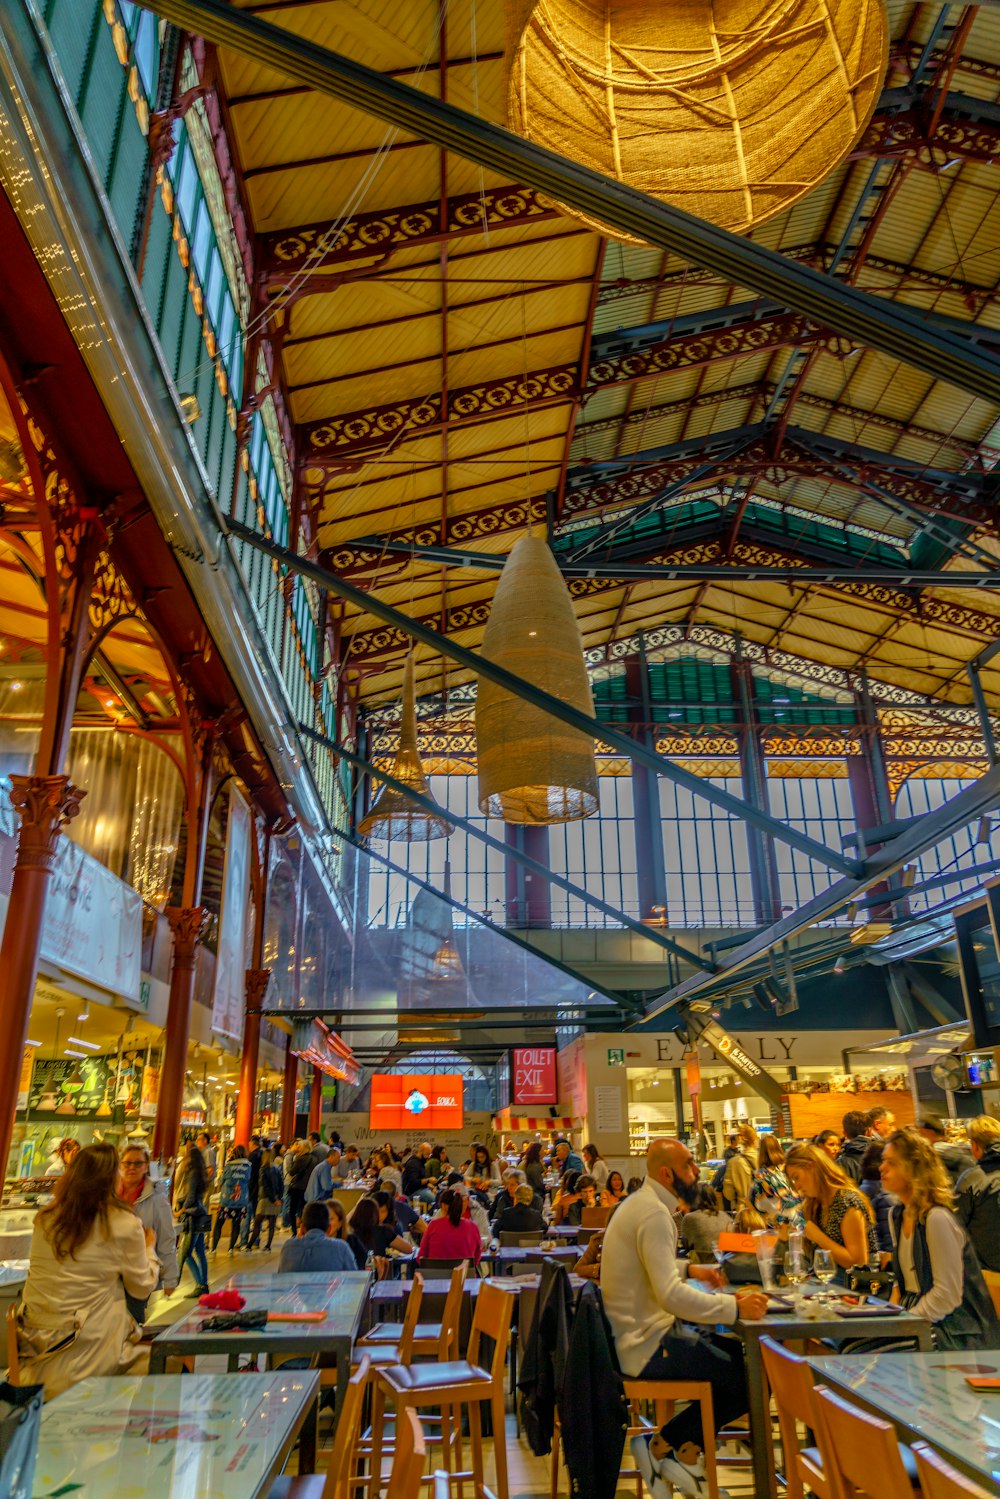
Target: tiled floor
<point>529,1476</point>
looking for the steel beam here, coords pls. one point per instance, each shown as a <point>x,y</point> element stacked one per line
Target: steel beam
<point>442,644</point>
<point>970,803</point>
<point>892,329</point>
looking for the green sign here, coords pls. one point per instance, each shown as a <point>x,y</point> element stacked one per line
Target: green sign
<point>144,989</point>
<point>616,1056</point>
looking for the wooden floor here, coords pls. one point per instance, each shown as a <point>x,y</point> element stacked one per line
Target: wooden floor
<point>529,1475</point>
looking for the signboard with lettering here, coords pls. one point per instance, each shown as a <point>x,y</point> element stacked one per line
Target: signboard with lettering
<point>533,1074</point>
<point>416,1101</point>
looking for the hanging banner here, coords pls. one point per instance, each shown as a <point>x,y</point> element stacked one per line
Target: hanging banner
<point>533,1075</point>
<point>229,1000</point>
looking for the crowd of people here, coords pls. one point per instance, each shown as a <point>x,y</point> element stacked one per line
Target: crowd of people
<point>923,1211</point>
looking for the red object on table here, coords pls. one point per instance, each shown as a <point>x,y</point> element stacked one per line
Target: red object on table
<point>223,1301</point>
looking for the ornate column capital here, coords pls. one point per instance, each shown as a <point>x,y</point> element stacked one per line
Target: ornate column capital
<point>257,980</point>
<point>46,805</point>
<point>186,926</point>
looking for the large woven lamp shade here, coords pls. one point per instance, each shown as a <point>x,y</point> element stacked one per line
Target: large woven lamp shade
<point>730,109</point>
<point>393,815</point>
<point>533,768</point>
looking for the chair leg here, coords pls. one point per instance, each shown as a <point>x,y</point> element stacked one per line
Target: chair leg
<point>554,1480</point>
<point>476,1443</point>
<point>377,1437</point>
<point>708,1428</point>
<point>500,1443</point>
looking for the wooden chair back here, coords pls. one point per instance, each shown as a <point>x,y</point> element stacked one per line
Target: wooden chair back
<point>939,1480</point>
<point>491,1319</point>
<point>992,1279</point>
<point>439,1269</point>
<point>408,1462</point>
<point>594,1217</point>
<point>513,1238</point>
<point>340,1482</point>
<point>13,1357</point>
<point>410,1319</point>
<point>791,1382</point>
<point>451,1314</point>
<point>860,1451</point>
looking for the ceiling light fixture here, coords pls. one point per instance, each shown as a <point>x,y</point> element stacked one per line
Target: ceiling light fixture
<point>70,1053</point>
<point>85,1012</point>
<point>79,1041</point>
<point>29,1042</point>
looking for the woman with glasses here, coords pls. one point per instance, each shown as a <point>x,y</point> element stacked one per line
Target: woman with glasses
<point>151,1205</point>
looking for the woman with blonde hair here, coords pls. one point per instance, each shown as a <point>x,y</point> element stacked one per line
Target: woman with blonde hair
<point>937,1273</point>
<point>88,1249</point>
<point>837,1216</point>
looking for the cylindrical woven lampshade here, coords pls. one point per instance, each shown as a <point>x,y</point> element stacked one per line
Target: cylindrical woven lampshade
<point>730,109</point>
<point>532,767</point>
<point>393,815</point>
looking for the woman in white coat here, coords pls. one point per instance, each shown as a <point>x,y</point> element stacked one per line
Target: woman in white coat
<point>88,1248</point>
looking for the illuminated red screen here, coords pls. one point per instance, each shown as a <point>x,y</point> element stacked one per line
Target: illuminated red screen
<point>533,1074</point>
<point>417,1102</point>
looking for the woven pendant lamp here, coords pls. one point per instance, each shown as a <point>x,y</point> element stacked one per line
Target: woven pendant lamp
<point>730,109</point>
<point>392,814</point>
<point>532,767</point>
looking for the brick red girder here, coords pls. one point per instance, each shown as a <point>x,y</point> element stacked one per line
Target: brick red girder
<point>345,438</point>
<point>907,132</point>
<point>368,647</point>
<point>755,462</point>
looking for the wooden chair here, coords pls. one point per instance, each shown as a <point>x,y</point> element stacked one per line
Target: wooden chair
<point>520,1239</point>
<point>464,1382</point>
<point>939,1480</point>
<point>13,1356</point>
<point>408,1463</point>
<point>426,1340</point>
<point>862,1450</point>
<point>992,1279</point>
<point>338,1482</point>
<point>791,1382</point>
<point>594,1217</point>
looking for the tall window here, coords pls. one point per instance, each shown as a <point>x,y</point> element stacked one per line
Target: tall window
<point>821,808</point>
<point>706,856</point>
<point>598,854</point>
<point>977,844</point>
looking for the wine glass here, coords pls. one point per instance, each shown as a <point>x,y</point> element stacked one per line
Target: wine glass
<point>720,1260</point>
<point>796,1271</point>
<point>824,1268</point>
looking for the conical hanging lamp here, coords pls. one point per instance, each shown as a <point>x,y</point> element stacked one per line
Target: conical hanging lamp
<point>730,109</point>
<point>533,768</point>
<point>392,814</point>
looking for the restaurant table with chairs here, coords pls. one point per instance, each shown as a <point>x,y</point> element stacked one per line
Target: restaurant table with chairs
<point>926,1396</point>
<point>211,1435</point>
<point>793,1324</point>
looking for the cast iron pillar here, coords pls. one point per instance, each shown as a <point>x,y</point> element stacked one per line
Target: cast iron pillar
<point>289,1088</point>
<point>650,861</point>
<point>753,771</point>
<point>186,926</point>
<point>257,980</point>
<point>316,1100</point>
<point>46,805</point>
<point>528,895</point>
<point>871,794</point>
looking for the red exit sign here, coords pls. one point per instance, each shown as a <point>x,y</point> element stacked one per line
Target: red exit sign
<point>533,1074</point>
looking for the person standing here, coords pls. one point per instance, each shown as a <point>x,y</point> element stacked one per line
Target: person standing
<point>978,1191</point>
<point>647,1297</point>
<point>740,1170</point>
<point>88,1251</point>
<point>596,1166</point>
<point>957,1159</point>
<point>254,1157</point>
<point>882,1204</point>
<point>152,1208</point>
<point>268,1200</point>
<point>856,1142</point>
<point>208,1155</point>
<point>937,1274</point>
<point>234,1197</point>
<point>190,1187</point>
<point>300,1170</point>
<point>881,1123</point>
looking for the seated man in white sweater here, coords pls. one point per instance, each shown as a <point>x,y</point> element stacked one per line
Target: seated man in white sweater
<point>648,1296</point>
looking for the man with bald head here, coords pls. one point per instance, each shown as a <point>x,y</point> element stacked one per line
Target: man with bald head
<point>649,1297</point>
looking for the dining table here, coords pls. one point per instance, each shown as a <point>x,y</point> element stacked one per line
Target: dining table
<point>927,1397</point>
<point>172,1436</point>
<point>813,1314</point>
<point>334,1304</point>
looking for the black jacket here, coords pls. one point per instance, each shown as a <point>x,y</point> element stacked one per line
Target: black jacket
<point>544,1361</point>
<point>519,1220</point>
<point>255,1158</point>
<point>852,1153</point>
<point>412,1174</point>
<point>973,1323</point>
<point>977,1203</point>
<point>593,1411</point>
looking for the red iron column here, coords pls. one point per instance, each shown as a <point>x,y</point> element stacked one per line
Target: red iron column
<point>186,925</point>
<point>288,1090</point>
<point>46,805</point>
<point>257,980</point>
<point>316,1100</point>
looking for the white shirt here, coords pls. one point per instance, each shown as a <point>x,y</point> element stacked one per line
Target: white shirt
<point>945,1247</point>
<point>644,1285</point>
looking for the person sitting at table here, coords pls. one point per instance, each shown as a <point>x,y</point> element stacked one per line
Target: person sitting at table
<point>349,1163</point>
<point>771,1193</point>
<point>387,1170</point>
<point>522,1217</point>
<point>398,1209</point>
<point>563,1196</point>
<point>504,1199</point>
<point>375,1234</point>
<point>838,1217</point>
<point>937,1273</point>
<point>706,1220</point>
<point>315,1247</point>
<point>588,1266</point>
<point>663,1326</point>
<point>583,1196</point>
<point>450,1235</point>
<point>614,1190</point>
<point>88,1249</point>
<point>482,1174</point>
